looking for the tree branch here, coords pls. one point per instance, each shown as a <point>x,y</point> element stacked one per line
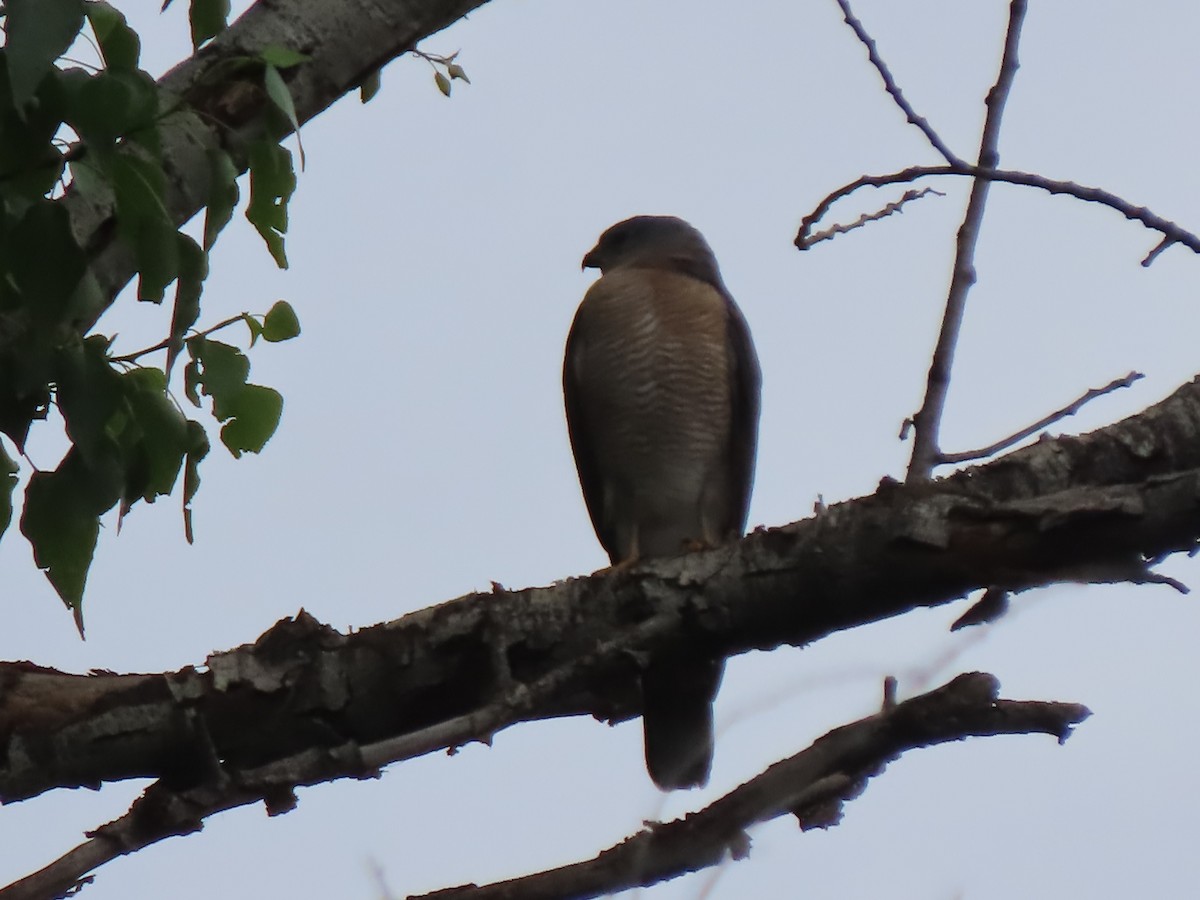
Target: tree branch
<point>162,811</point>
<point>305,704</point>
<point>927,421</point>
<point>1172,232</point>
<point>812,785</point>
<point>1092,508</point>
<point>889,85</point>
<point>1059,414</point>
<point>896,206</point>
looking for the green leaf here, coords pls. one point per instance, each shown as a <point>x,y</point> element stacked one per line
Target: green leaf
<point>222,374</point>
<point>90,395</point>
<point>143,221</point>
<point>197,449</point>
<point>119,44</point>
<point>44,262</point>
<point>454,70</point>
<point>442,82</point>
<point>193,269</point>
<point>8,481</point>
<point>282,97</point>
<point>37,32</point>
<point>255,411</point>
<point>280,323</point>
<point>61,519</point>
<point>208,19</point>
<point>222,195</point>
<point>191,382</point>
<point>282,57</point>
<point>24,395</point>
<point>159,436</point>
<point>370,86</point>
<point>90,181</point>
<point>254,326</point>
<point>30,164</point>
<point>109,104</point>
<point>272,182</point>
<point>144,379</point>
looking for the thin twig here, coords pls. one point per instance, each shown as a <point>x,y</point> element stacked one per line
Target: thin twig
<point>889,85</point>
<point>166,342</point>
<point>1159,248</point>
<point>1172,233</point>
<point>927,420</point>
<point>894,207</point>
<point>1069,410</point>
<point>990,607</point>
<point>812,785</point>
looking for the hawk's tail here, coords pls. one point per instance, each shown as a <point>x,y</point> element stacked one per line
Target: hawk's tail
<point>677,694</point>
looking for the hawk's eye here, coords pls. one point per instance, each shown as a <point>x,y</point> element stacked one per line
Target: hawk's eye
<point>618,240</point>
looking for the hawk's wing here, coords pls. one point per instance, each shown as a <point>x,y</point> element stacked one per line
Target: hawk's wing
<point>745,388</point>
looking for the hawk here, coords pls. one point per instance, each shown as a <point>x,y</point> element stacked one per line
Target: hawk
<point>661,384</point>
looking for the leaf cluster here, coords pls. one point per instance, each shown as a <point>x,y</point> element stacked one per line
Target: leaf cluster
<point>93,134</point>
<point>445,72</point>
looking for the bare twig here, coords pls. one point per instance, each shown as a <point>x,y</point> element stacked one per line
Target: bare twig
<point>1069,410</point>
<point>927,420</point>
<point>890,683</point>
<point>889,84</point>
<point>894,207</point>
<point>812,785</point>
<point>1157,578</point>
<point>990,607</point>
<point>1172,232</point>
<point>1159,248</point>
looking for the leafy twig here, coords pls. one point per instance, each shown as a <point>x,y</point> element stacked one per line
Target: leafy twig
<point>452,69</point>
<point>166,342</point>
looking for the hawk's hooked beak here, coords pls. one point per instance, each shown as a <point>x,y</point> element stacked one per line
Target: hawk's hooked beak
<point>592,260</point>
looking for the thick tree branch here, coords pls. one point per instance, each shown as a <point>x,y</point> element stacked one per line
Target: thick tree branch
<point>811,785</point>
<point>1092,508</point>
<point>164,811</point>
<point>928,419</point>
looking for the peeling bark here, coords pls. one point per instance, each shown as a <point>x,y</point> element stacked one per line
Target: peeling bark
<point>1095,508</point>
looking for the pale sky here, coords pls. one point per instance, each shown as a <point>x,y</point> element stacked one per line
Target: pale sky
<point>435,248</point>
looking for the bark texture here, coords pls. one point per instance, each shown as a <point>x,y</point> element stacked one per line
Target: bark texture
<point>306,703</point>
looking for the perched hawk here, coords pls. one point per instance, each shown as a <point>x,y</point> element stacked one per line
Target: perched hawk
<point>662,394</point>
